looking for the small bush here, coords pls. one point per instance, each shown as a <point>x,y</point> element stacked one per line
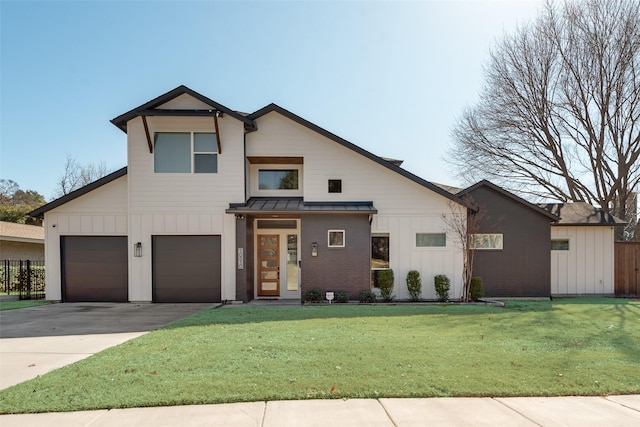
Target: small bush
<point>475,288</point>
<point>341,297</point>
<point>313,295</point>
<point>414,285</point>
<point>385,283</point>
<point>368,297</point>
<point>442,285</point>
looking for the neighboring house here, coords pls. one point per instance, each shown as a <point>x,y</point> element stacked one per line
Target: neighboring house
<point>512,242</point>
<point>215,205</point>
<point>21,242</point>
<point>582,250</point>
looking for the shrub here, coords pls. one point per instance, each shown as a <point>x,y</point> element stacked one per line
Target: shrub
<point>341,297</point>
<point>475,288</point>
<point>368,297</point>
<point>442,285</point>
<point>385,283</point>
<point>313,295</point>
<point>414,285</point>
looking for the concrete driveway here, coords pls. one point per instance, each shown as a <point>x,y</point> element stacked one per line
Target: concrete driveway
<point>36,340</point>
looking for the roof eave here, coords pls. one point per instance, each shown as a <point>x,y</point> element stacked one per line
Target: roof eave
<point>121,120</point>
<point>39,213</point>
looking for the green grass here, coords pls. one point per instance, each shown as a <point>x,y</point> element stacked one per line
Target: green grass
<point>14,305</point>
<point>232,354</point>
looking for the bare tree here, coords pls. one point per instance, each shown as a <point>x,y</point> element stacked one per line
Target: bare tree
<point>462,228</point>
<point>76,175</point>
<point>559,116</point>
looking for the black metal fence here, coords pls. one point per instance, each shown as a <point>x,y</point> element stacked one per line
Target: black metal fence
<point>23,278</point>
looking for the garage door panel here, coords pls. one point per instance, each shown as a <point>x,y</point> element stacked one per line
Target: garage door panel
<point>186,269</point>
<point>95,269</point>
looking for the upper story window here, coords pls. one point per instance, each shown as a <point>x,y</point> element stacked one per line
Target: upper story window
<point>335,186</point>
<point>185,152</point>
<point>278,179</point>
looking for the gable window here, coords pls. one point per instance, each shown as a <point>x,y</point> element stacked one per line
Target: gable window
<point>560,244</point>
<point>335,186</point>
<point>336,239</point>
<point>185,152</point>
<point>486,241</point>
<point>278,179</point>
<point>431,240</point>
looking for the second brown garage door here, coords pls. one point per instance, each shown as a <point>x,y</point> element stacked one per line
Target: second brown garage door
<point>186,269</point>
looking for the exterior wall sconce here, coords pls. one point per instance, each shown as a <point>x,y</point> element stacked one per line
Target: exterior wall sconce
<point>314,249</point>
<point>137,249</point>
<point>239,216</point>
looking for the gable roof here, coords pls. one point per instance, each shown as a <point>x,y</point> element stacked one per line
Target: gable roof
<point>581,213</point>
<point>492,186</point>
<point>39,213</point>
<point>10,231</point>
<point>388,163</point>
<point>151,108</point>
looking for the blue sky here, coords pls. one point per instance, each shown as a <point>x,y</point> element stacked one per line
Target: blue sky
<point>391,77</point>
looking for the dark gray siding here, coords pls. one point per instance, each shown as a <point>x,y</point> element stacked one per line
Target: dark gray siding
<point>523,267</point>
<point>245,276</point>
<point>347,269</point>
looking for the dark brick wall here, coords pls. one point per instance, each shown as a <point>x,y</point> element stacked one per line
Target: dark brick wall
<point>336,269</point>
<point>523,267</point>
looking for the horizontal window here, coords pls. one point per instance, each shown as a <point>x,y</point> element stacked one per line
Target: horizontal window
<point>486,241</point>
<point>278,179</point>
<point>431,240</point>
<point>336,239</point>
<point>185,152</point>
<point>560,244</point>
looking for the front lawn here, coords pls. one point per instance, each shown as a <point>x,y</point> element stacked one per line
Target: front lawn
<point>240,353</point>
<point>14,305</point>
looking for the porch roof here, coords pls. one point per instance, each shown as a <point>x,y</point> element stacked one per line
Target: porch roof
<point>296,205</point>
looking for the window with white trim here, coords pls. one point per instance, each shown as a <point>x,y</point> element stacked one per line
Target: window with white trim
<point>336,239</point>
<point>486,241</point>
<point>185,152</point>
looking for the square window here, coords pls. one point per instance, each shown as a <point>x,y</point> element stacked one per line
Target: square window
<point>431,240</point>
<point>335,186</point>
<point>336,239</point>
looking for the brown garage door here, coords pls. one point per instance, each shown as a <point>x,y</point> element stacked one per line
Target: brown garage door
<point>94,269</point>
<point>186,269</point>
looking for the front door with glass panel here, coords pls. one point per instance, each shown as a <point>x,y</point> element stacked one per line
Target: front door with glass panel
<point>278,262</point>
<point>268,265</point>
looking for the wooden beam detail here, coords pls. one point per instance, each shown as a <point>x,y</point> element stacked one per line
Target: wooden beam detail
<point>254,160</point>
<point>215,121</point>
<point>146,131</point>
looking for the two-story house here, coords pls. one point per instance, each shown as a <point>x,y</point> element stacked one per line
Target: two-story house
<point>216,205</point>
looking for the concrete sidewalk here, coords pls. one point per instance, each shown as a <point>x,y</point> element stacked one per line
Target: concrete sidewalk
<point>619,411</point>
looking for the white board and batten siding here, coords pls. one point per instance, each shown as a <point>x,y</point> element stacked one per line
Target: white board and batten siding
<point>183,204</point>
<point>404,206</point>
<point>101,212</point>
<point>587,268</point>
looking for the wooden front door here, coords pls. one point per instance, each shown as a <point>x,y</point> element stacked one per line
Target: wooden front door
<point>268,265</point>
